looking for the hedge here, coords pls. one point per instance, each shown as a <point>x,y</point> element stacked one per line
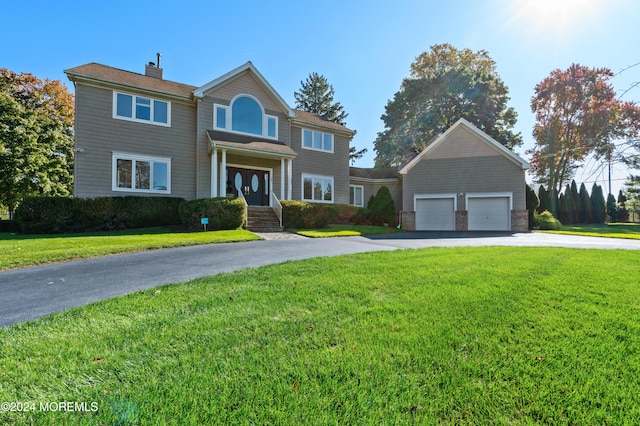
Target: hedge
<point>545,220</point>
<point>223,213</point>
<point>46,215</point>
<point>306,215</point>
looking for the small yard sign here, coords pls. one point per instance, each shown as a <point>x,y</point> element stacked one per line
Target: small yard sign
<point>204,221</point>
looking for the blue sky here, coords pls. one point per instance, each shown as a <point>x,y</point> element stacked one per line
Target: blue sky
<point>363,48</point>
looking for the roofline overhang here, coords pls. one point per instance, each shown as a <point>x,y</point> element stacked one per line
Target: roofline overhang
<point>102,82</point>
<point>346,133</point>
<point>374,180</point>
<point>251,152</point>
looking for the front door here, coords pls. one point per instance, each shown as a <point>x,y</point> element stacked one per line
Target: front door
<point>254,184</point>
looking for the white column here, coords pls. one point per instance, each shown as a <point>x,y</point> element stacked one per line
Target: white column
<point>214,173</point>
<point>282,165</point>
<point>223,174</point>
<point>289,178</point>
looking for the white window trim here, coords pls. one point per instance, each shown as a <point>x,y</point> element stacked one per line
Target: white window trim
<point>333,140</point>
<point>115,156</point>
<point>311,176</point>
<point>508,195</point>
<point>361,187</point>
<point>228,118</point>
<point>133,110</point>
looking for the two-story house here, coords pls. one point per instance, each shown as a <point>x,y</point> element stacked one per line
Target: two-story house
<point>141,134</point>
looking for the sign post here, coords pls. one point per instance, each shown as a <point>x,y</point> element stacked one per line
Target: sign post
<point>204,221</point>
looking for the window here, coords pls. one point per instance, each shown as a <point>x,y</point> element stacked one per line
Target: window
<point>317,141</point>
<point>141,174</point>
<point>356,195</point>
<point>245,115</point>
<point>317,188</point>
<point>139,108</point>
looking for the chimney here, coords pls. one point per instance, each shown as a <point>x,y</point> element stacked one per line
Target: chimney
<point>153,70</point>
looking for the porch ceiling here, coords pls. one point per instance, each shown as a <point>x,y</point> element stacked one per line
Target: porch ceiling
<point>248,146</point>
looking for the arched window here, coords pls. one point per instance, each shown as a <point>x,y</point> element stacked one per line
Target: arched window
<point>246,116</point>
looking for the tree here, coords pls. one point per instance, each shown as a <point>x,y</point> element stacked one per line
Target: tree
<point>316,96</point>
<point>598,205</point>
<point>612,208</point>
<point>632,193</point>
<point>577,114</point>
<point>445,84</point>
<point>585,205</point>
<point>544,199</point>
<point>623,213</point>
<point>532,202</point>
<point>36,138</point>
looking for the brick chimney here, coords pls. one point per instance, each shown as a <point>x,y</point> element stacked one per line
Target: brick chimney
<point>153,70</point>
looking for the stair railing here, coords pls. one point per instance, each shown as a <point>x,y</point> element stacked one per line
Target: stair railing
<point>277,207</point>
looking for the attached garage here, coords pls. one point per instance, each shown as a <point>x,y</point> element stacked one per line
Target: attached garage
<point>490,212</point>
<point>435,212</point>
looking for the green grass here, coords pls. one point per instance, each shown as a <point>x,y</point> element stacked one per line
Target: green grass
<point>434,336</point>
<point>24,250</point>
<point>347,231</point>
<point>612,230</point>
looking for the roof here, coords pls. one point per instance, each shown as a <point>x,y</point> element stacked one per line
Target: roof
<point>247,67</point>
<point>249,144</point>
<point>497,146</point>
<point>303,117</point>
<point>98,73</point>
<point>375,173</point>
<point>102,73</point>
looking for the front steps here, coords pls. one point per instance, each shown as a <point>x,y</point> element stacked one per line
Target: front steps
<point>262,219</point>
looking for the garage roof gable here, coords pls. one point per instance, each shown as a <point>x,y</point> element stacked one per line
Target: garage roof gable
<point>482,136</point>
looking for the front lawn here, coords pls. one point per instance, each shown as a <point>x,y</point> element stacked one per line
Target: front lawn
<point>24,250</point>
<point>612,230</point>
<point>499,335</point>
<point>347,231</point>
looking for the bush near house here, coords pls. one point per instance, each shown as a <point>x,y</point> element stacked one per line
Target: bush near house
<point>223,213</point>
<point>380,209</point>
<point>306,215</point>
<point>545,220</point>
<point>48,215</point>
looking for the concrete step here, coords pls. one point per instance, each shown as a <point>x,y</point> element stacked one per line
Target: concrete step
<point>262,219</point>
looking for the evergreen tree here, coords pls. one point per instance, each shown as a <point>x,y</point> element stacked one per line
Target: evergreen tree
<point>612,208</point>
<point>623,213</point>
<point>575,203</point>
<point>585,205</point>
<point>532,202</point>
<point>598,205</point>
<point>543,196</point>
<point>316,95</point>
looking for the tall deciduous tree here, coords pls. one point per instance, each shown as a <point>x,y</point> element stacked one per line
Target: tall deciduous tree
<point>316,96</point>
<point>446,84</point>
<point>36,137</point>
<point>577,114</point>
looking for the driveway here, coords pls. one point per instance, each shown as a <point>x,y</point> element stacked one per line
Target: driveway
<point>30,293</point>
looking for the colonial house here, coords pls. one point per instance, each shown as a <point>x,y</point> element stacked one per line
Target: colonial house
<point>139,134</point>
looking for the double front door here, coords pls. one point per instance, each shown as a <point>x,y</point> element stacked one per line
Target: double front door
<point>254,185</point>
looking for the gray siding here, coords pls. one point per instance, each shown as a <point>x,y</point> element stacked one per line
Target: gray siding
<point>371,188</point>
<point>334,164</point>
<point>98,135</point>
<point>464,175</point>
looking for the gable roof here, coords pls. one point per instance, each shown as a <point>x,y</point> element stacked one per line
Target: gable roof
<point>249,67</point>
<point>98,73</point>
<point>311,118</point>
<point>482,136</point>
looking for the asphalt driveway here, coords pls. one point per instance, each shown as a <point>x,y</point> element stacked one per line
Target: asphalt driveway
<point>30,293</point>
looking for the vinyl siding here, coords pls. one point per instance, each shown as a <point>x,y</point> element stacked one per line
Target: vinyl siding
<point>372,188</point>
<point>98,134</point>
<point>464,175</point>
<point>334,164</point>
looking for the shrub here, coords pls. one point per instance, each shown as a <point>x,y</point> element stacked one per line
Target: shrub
<point>532,202</point>
<point>381,208</point>
<point>545,220</point>
<point>223,213</point>
<point>305,215</point>
<point>45,215</point>
<point>9,226</point>
<point>350,215</point>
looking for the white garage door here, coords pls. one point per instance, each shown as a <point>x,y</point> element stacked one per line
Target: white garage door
<point>489,214</point>
<point>435,214</point>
